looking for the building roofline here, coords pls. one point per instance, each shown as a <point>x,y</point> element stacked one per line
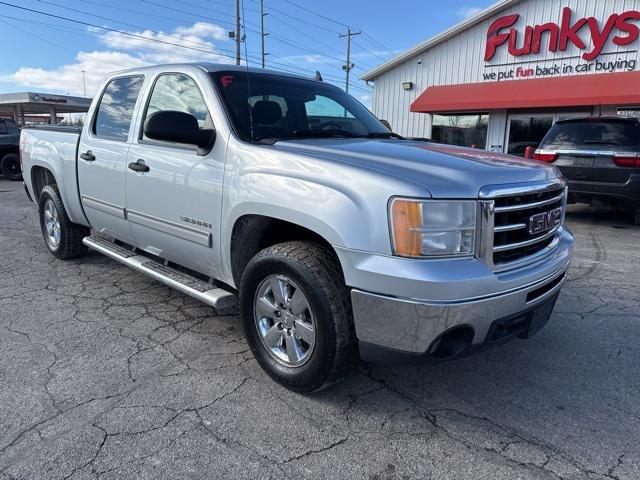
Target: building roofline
<point>440,38</point>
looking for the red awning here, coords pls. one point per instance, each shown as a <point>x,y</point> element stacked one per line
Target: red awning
<point>573,91</point>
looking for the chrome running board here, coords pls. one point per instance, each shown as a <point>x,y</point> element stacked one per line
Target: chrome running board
<point>187,284</point>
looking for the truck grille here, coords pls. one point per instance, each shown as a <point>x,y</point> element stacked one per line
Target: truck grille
<point>520,225</point>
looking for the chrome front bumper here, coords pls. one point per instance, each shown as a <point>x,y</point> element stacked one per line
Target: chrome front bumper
<point>412,326</point>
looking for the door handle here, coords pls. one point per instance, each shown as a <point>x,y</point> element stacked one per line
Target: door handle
<point>139,166</point>
<point>88,156</point>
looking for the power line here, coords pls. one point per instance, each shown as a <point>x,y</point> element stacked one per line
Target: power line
<point>287,67</point>
<point>56,44</point>
<point>375,42</point>
<point>334,50</point>
<point>217,12</point>
<point>83,12</point>
<point>147,14</point>
<point>317,14</point>
<point>144,38</point>
<point>114,30</point>
<point>300,19</point>
<point>369,52</point>
<point>183,11</point>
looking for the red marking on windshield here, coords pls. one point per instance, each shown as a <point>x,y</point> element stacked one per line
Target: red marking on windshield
<point>226,80</point>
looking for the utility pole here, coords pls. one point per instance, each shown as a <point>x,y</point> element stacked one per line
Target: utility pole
<point>238,34</point>
<point>262,34</point>
<point>348,66</point>
<point>84,85</point>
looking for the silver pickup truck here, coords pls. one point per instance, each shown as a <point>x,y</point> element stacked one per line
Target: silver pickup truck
<point>339,239</point>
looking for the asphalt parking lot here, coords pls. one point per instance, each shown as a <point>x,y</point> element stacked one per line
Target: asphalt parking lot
<point>105,373</point>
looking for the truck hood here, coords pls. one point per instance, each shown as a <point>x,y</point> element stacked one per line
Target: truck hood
<point>445,171</point>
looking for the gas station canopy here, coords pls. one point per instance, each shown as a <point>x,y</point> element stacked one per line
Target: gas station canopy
<point>22,103</point>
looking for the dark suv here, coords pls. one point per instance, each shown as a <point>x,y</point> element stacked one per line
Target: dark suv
<point>9,157</point>
<point>600,156</point>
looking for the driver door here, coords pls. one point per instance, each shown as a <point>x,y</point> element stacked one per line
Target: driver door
<point>173,207</point>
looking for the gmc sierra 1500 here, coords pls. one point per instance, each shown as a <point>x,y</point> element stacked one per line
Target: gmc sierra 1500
<point>339,238</point>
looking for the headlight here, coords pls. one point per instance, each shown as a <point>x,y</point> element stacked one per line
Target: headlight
<point>433,228</point>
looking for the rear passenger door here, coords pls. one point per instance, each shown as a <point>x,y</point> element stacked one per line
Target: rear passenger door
<point>174,206</point>
<point>102,152</point>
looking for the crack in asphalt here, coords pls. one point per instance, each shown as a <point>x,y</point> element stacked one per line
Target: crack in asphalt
<point>108,373</point>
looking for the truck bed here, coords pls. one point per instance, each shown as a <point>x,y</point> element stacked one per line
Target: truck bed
<point>55,148</point>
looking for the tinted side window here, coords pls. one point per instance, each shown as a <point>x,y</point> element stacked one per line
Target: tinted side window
<point>115,112</point>
<point>3,128</point>
<point>179,93</point>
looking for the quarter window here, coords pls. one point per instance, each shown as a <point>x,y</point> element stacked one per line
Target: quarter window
<point>115,112</point>
<point>178,92</point>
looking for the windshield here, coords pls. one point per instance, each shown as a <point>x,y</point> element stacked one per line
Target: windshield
<point>606,132</point>
<point>266,107</point>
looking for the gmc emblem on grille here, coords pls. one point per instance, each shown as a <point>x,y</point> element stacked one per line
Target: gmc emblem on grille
<point>543,222</point>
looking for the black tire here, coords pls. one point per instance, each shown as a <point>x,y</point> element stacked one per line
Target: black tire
<point>636,219</point>
<point>10,166</point>
<point>70,234</point>
<point>317,272</point>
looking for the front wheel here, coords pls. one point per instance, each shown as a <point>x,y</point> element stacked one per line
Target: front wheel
<point>297,315</point>
<point>62,237</point>
<point>10,166</point>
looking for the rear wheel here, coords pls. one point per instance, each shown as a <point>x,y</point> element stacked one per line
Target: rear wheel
<point>637,217</point>
<point>297,315</point>
<point>62,237</point>
<point>10,166</point>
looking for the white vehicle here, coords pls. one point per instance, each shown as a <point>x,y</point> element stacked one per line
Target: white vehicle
<point>339,238</point>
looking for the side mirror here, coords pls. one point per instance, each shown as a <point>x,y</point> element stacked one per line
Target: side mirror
<point>386,124</point>
<point>178,127</point>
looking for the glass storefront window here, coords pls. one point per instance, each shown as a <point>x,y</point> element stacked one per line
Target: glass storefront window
<point>461,130</point>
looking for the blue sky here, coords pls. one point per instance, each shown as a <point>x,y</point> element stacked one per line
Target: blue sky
<point>48,54</point>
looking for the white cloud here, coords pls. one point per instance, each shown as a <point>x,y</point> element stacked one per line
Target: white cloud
<point>310,59</point>
<point>365,99</point>
<point>468,12</point>
<point>125,51</point>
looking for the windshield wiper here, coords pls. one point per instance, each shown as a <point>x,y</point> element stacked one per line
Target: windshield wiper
<point>333,133</point>
<point>599,142</point>
<point>302,134</point>
<point>385,135</point>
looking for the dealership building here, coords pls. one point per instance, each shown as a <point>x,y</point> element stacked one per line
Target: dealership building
<point>501,79</point>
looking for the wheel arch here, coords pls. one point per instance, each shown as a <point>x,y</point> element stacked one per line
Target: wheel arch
<point>41,176</point>
<point>252,233</point>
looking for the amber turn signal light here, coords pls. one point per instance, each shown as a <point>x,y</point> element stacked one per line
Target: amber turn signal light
<point>406,217</point>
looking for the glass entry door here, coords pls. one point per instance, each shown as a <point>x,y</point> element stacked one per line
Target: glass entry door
<point>528,129</point>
